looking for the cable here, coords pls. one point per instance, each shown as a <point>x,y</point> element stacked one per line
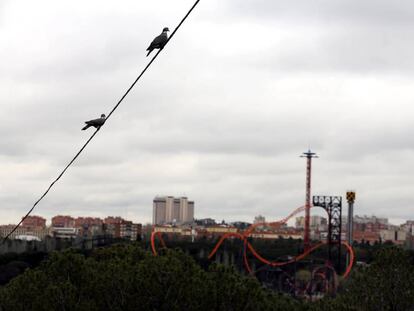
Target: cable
<point>93,135</point>
<point>51,185</point>
<point>155,56</point>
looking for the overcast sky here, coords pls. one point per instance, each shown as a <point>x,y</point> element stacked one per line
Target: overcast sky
<point>221,117</point>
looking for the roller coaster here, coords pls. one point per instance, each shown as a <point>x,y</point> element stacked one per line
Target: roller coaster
<point>322,277</point>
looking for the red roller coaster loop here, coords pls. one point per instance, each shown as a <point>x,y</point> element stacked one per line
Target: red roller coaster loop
<point>279,263</point>
<point>153,234</point>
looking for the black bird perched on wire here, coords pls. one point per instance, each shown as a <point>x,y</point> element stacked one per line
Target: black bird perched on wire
<point>159,41</point>
<point>97,123</point>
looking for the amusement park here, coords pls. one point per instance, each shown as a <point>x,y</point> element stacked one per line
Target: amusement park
<point>313,273</point>
<point>226,95</point>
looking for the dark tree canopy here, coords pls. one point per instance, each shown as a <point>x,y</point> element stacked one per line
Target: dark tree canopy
<point>126,277</point>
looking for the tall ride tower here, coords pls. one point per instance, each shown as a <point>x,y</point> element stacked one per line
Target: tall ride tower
<point>308,155</point>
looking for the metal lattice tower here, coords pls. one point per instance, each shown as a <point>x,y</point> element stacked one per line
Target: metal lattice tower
<point>333,206</point>
<point>308,155</point>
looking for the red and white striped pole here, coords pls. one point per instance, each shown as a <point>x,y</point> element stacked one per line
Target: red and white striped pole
<point>306,238</point>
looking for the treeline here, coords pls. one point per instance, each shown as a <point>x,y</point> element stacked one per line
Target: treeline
<point>13,264</point>
<point>127,277</point>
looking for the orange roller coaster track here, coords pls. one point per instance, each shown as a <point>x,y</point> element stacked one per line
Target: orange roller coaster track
<point>247,245</point>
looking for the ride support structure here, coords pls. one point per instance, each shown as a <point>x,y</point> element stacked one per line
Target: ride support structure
<point>306,238</point>
<point>333,207</point>
<point>350,197</point>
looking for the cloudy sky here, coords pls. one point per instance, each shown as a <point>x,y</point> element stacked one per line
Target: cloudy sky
<point>223,114</point>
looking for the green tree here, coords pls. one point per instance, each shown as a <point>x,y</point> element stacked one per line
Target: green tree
<point>228,290</point>
<point>385,285</point>
<point>125,277</point>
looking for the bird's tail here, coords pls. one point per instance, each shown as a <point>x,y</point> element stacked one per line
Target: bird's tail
<point>149,51</point>
<point>85,127</point>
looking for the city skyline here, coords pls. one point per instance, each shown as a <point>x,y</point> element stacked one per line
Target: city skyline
<point>297,221</point>
<point>365,229</point>
<point>221,123</point>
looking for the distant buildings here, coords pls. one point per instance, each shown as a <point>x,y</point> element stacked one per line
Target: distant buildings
<point>241,225</point>
<point>68,227</point>
<point>370,219</point>
<point>64,227</point>
<point>32,228</point>
<point>65,232</point>
<point>170,210</point>
<point>318,223</point>
<point>214,231</point>
<point>34,222</point>
<point>117,227</point>
<point>366,229</point>
<point>113,220</point>
<point>175,217</point>
<point>24,233</point>
<point>300,222</point>
<point>63,221</point>
<point>259,219</point>
<point>408,226</point>
<point>205,222</point>
<point>370,229</point>
<point>88,222</point>
<point>121,228</point>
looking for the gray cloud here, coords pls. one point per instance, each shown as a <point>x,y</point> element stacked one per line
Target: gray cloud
<point>336,11</point>
<point>222,115</point>
<point>310,36</point>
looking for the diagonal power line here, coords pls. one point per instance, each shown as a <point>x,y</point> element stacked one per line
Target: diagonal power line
<point>110,113</point>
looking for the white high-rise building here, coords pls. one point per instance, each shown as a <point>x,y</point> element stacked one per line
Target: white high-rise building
<point>170,210</point>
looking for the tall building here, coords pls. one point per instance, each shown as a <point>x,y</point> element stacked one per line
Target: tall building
<point>170,210</point>
<point>159,206</point>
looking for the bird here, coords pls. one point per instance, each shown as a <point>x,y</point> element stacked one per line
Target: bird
<point>159,41</point>
<point>97,123</point>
